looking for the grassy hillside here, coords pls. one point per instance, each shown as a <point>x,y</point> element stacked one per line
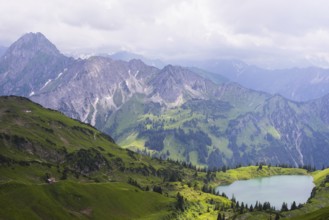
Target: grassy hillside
<point>319,176</point>
<point>73,200</point>
<point>36,144</point>
<point>53,167</point>
<point>321,214</point>
<point>242,127</point>
<point>94,178</point>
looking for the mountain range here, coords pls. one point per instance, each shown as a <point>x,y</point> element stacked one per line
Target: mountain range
<point>298,84</point>
<point>174,112</point>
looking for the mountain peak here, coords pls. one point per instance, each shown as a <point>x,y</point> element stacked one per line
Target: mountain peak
<point>30,44</point>
<point>171,68</point>
<point>30,62</point>
<point>174,84</point>
<point>32,35</point>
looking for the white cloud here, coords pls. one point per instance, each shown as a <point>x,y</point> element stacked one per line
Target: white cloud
<point>269,33</point>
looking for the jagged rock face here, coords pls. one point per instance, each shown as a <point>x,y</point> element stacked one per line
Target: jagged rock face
<point>29,64</point>
<point>169,111</point>
<point>95,84</point>
<point>177,84</point>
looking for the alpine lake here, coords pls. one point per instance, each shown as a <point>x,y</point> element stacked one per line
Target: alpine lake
<point>274,189</point>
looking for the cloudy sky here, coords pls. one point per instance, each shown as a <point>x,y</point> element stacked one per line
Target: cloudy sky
<point>271,33</point>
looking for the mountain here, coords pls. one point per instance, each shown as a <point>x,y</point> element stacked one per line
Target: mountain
<point>91,89</point>
<point>55,167</point>
<point>173,112</point>
<point>214,132</point>
<point>30,64</point>
<point>298,84</point>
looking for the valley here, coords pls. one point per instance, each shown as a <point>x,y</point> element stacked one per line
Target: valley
<point>166,139</point>
<point>56,167</point>
<point>164,110</point>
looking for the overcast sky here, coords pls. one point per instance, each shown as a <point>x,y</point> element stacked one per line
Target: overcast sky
<point>269,33</point>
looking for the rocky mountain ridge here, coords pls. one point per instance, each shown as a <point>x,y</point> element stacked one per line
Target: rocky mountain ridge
<point>170,112</point>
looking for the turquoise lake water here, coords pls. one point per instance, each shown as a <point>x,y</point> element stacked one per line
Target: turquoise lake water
<point>274,189</point>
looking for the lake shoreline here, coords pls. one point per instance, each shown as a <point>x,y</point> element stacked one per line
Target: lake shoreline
<point>273,189</point>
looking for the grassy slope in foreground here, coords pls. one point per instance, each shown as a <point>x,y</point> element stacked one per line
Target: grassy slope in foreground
<point>35,141</point>
<point>70,200</point>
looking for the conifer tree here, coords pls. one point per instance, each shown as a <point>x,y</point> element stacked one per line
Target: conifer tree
<point>293,206</point>
<point>284,207</point>
<point>241,209</point>
<point>180,202</point>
